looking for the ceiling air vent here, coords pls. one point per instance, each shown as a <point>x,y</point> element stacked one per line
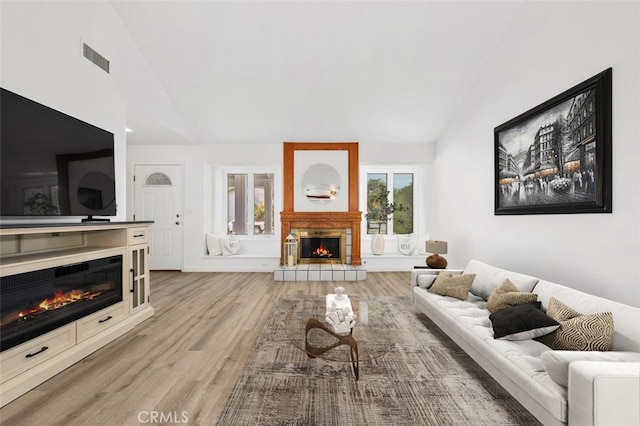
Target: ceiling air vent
<point>95,57</point>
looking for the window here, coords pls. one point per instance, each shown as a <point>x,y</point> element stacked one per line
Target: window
<point>397,187</point>
<point>377,193</point>
<point>263,204</point>
<point>157,179</point>
<point>250,203</point>
<point>403,197</point>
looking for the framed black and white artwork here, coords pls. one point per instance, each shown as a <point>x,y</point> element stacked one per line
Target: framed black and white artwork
<point>556,157</point>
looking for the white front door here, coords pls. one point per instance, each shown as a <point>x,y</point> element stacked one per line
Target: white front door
<point>158,197</point>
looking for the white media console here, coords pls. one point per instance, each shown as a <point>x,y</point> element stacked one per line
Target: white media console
<point>27,248</point>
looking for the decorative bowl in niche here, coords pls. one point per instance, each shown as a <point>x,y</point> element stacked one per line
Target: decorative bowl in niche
<point>321,183</point>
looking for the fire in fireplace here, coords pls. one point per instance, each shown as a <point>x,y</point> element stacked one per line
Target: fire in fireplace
<point>34,303</point>
<point>322,251</point>
<point>321,245</point>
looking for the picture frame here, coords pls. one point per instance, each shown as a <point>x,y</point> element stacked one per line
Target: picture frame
<point>556,157</point>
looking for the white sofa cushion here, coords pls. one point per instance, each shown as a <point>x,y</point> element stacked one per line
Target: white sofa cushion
<point>426,281</point>
<point>489,277</point>
<point>556,363</point>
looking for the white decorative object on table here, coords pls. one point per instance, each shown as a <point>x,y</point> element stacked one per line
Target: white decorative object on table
<point>339,313</point>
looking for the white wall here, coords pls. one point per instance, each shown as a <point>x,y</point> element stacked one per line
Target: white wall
<point>552,47</point>
<point>205,191</point>
<point>42,60</point>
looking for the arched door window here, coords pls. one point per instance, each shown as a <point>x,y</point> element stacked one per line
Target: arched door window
<point>157,179</point>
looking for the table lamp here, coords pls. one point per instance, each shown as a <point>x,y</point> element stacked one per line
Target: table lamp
<point>435,261</point>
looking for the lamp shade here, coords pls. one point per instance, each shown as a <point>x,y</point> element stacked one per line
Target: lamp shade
<point>435,246</point>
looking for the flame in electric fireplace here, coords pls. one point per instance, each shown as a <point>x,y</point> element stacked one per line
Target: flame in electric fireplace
<point>59,300</point>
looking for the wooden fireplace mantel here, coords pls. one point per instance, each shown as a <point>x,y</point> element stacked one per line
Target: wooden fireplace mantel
<point>350,219</point>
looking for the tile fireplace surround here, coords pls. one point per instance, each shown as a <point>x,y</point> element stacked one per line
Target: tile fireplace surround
<point>320,272</point>
<point>349,271</point>
<point>325,220</point>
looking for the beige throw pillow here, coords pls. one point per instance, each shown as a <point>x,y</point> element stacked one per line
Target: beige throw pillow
<point>507,295</point>
<point>457,286</point>
<point>578,332</point>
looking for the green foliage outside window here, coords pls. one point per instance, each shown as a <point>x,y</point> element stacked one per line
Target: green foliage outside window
<point>258,212</point>
<point>403,218</point>
<point>379,209</point>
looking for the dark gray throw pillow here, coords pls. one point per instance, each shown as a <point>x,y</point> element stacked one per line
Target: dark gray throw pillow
<point>522,322</point>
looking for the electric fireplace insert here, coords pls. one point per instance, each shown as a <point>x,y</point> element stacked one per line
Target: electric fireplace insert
<point>34,303</point>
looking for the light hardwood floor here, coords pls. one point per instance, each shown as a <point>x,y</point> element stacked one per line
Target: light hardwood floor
<point>183,362</point>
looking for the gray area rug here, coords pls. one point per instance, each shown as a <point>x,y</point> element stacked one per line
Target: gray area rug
<point>425,380</point>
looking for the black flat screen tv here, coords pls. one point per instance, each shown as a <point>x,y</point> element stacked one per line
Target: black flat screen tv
<point>52,164</point>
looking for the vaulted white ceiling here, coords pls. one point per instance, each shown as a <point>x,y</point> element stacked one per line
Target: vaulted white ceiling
<point>267,72</point>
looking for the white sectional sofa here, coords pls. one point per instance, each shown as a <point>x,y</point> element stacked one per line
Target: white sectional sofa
<point>563,387</point>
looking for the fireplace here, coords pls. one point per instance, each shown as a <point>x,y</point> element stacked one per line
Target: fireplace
<point>295,215</point>
<point>34,303</point>
<point>321,245</point>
